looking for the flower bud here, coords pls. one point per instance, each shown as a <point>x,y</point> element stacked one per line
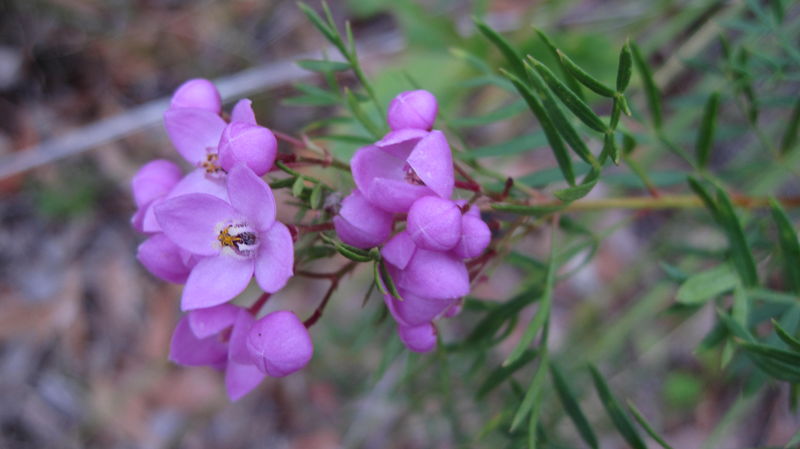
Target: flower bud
<point>434,223</point>
<point>418,338</point>
<point>154,180</point>
<point>251,145</point>
<point>197,93</point>
<point>361,224</point>
<point>414,109</point>
<point>475,237</point>
<point>279,344</point>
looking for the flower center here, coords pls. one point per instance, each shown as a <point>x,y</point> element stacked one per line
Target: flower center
<point>242,240</point>
<point>211,164</point>
<point>411,176</point>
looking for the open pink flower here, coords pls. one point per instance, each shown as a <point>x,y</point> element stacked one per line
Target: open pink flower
<point>402,167</point>
<point>233,239</point>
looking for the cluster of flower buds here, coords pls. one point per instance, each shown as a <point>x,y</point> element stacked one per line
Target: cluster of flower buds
<point>213,230</point>
<point>410,171</point>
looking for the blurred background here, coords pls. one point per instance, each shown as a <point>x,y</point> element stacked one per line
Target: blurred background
<point>84,329</point>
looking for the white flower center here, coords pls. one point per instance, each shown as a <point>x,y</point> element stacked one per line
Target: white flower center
<point>238,239</point>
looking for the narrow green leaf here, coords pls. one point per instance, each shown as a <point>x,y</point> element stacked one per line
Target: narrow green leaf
<point>517,145</point>
<point>568,78</point>
<point>318,23</point>
<point>376,275</point>
<point>650,88</point>
<point>315,200</point>
<point>281,183</point>
<point>355,107</point>
<point>350,252</point>
<point>740,250</point>
<point>616,412</point>
<point>497,115</point>
<point>610,147</point>
<point>532,395</point>
<point>624,68</point>
<point>511,55</point>
<point>520,209</point>
<point>708,284</point>
<point>789,245</point>
<point>298,186</point>
<point>560,121</point>
<point>557,145</point>
<point>584,78</point>
<point>790,135</point>
<point>646,426</point>
<point>705,135</point>
<point>568,97</point>
<point>571,194</point>
<point>740,311</point>
<point>787,338</point>
<point>705,196</point>
<point>323,66</point>
<point>771,352</point>
<point>501,373</point>
<point>389,282</point>
<point>571,406</point>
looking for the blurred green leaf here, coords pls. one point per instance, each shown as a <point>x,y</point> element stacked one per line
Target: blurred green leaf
<point>584,78</point>
<point>708,284</point>
<point>511,55</point>
<point>533,394</point>
<point>323,66</point>
<point>705,136</point>
<point>517,145</point>
<point>571,194</point>
<point>503,372</point>
<point>792,126</point>
<point>789,245</point>
<point>571,406</point>
<point>569,79</point>
<point>624,68</point>
<point>646,426</point>
<point>615,411</point>
<point>787,338</point>
<point>650,88</point>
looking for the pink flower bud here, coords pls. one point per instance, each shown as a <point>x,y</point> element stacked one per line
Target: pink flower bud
<point>415,109</point>
<point>361,224</point>
<point>197,93</point>
<point>434,223</point>
<point>475,237</point>
<point>279,344</point>
<point>418,338</point>
<point>251,145</point>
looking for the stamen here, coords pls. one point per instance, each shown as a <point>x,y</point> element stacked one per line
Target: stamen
<point>211,164</point>
<point>411,176</point>
<point>239,238</point>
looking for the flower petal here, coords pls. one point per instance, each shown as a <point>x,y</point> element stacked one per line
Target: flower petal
<point>434,223</point>
<point>193,131</point>
<point>414,310</point>
<point>250,145</point>
<point>163,259</point>
<point>198,181</point>
<point>186,349</point>
<point>279,344</point>
<point>370,163</point>
<point>361,224</point>
<point>193,221</point>
<point>212,320</point>
<point>154,180</point>
<point>399,250</point>
<point>434,274</point>
<point>216,280</point>
<point>275,258</point>
<point>243,112</point>
<point>237,345</point>
<point>395,196</point>
<point>197,93</point>
<point>475,237</point>
<point>252,197</point>
<point>433,163</point>
<point>420,338</point>
<point>412,109</point>
<point>241,379</point>
<point>400,143</point>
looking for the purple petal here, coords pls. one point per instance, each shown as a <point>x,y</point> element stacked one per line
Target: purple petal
<point>434,223</point>
<point>197,93</point>
<point>212,320</point>
<point>251,145</point>
<point>395,196</point>
<point>475,237</point>
<point>434,274</point>
<point>418,338</point>
<point>280,344</point>
<point>243,112</point>
<point>241,379</point>
<point>399,250</point>
<point>216,280</point>
<point>193,221</point>
<point>198,181</point>
<point>193,131</point>
<point>187,349</point>
<point>400,143</point>
<point>454,309</point>
<point>414,310</point>
<point>361,224</point>
<point>163,259</point>
<point>412,109</point>
<point>154,180</point>
<point>252,197</point>
<point>433,163</point>
<point>237,345</point>
<point>472,209</point>
<point>275,258</point>
<point>370,163</point>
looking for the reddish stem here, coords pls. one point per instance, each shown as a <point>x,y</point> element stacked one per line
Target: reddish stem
<point>305,229</point>
<point>256,307</point>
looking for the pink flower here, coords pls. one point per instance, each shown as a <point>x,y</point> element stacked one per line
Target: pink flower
<point>402,167</point>
<point>279,344</point>
<point>415,109</point>
<point>420,338</point>
<point>361,224</point>
<point>233,240</point>
<point>434,223</point>
<point>152,182</point>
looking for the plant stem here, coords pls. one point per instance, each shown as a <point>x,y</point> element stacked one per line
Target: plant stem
<point>666,202</point>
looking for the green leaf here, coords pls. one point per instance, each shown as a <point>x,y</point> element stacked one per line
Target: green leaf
<point>517,145</point>
<point>389,282</point>
<point>533,394</point>
<point>350,252</point>
<point>568,78</point>
<point>324,66</point>
<point>771,352</point>
<point>650,88</point>
<point>610,147</point>
<point>511,55</point>
<point>355,107</point>
<point>571,406</point>
<point>571,194</point>
<point>501,373</point>
<point>376,276</point>
<point>318,23</point>
<point>790,135</point>
<point>740,250</point>
<point>616,412</point>
<point>705,136</point>
<point>789,245</point>
<point>520,209</point>
<point>646,426</point>
<point>557,145</point>
<point>584,78</point>
<point>497,115</point>
<point>298,186</point>
<point>709,284</point>
<point>569,98</point>
<point>624,68</point>
<point>315,200</point>
<point>787,338</point>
